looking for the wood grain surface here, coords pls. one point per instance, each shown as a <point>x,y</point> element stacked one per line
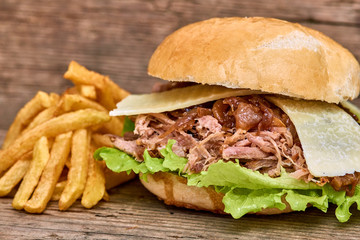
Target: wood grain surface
<point>39,38</point>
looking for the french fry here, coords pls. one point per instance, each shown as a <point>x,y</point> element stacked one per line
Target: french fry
<point>50,175</point>
<point>79,75</point>
<point>108,92</point>
<point>41,101</point>
<point>118,93</point>
<point>12,177</point>
<point>106,197</point>
<point>61,124</point>
<point>72,90</point>
<point>105,96</point>
<point>72,102</point>
<point>59,188</point>
<point>54,99</point>
<point>77,175</point>
<point>31,179</point>
<point>102,140</point>
<point>42,117</point>
<point>88,91</point>
<point>68,163</point>
<point>114,126</point>
<point>95,184</point>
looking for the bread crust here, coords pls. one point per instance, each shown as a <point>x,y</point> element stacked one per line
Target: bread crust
<point>173,190</point>
<point>264,54</point>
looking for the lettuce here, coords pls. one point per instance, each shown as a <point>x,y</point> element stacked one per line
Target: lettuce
<point>244,190</point>
<point>129,125</point>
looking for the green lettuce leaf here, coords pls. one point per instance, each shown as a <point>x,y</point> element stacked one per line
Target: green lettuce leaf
<point>129,125</point>
<point>231,174</point>
<point>171,160</point>
<point>240,201</point>
<point>244,190</point>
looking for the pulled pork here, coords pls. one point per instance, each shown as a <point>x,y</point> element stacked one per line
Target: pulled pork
<point>260,135</point>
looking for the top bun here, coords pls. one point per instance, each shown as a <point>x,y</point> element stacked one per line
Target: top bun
<point>264,54</point>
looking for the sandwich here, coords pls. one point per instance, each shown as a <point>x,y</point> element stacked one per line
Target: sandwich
<point>255,118</point>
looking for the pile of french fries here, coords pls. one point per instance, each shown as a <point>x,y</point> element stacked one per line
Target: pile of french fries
<point>47,154</point>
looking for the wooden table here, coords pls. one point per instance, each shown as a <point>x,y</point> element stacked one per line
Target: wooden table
<point>39,38</point>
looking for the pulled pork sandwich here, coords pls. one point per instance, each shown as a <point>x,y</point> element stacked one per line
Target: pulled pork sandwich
<point>254,120</point>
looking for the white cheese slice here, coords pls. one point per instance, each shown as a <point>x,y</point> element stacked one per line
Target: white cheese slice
<point>329,136</point>
<point>175,99</point>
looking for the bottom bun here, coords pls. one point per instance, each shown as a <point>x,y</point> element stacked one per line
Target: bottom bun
<point>113,179</point>
<point>173,190</point>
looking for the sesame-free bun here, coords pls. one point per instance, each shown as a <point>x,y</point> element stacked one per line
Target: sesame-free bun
<point>261,54</point>
<point>173,190</point>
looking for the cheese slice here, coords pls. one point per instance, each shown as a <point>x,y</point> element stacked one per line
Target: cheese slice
<point>175,99</point>
<point>329,136</point>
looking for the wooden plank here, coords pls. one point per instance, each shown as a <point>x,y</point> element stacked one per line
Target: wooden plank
<point>133,213</point>
<point>38,40</point>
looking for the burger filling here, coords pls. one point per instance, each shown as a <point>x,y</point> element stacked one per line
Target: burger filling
<point>249,130</point>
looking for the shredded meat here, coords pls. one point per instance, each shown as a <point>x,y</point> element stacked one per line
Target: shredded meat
<point>250,129</point>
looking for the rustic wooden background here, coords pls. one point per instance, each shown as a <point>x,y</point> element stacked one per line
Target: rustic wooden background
<point>39,38</point>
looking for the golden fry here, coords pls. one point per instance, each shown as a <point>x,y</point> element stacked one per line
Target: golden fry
<point>102,140</point>
<point>72,102</point>
<point>54,99</point>
<point>105,96</point>
<point>42,117</point>
<point>114,126</point>
<point>95,184</point>
<point>79,75</point>
<point>49,178</point>
<point>117,92</point>
<point>31,179</point>
<point>106,197</point>
<point>59,188</point>
<point>72,90</point>
<point>108,92</point>
<point>12,177</point>
<point>77,175</point>
<point>88,91</point>
<point>25,115</point>
<point>64,123</point>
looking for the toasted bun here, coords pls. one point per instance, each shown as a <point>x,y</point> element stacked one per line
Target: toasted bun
<point>113,179</point>
<point>173,190</point>
<point>261,54</point>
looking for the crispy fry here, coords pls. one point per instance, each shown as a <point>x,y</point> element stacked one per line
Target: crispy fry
<point>72,102</point>
<point>31,179</point>
<point>12,177</point>
<point>105,95</point>
<point>118,93</point>
<point>72,90</point>
<point>59,188</point>
<point>25,115</point>
<point>114,126</point>
<point>95,184</point>
<point>79,75</point>
<point>76,178</point>
<point>88,91</point>
<point>50,175</point>
<point>54,99</point>
<point>106,197</point>
<point>102,140</point>
<point>68,163</point>
<point>108,92</point>
<point>42,117</point>
<point>64,123</point>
